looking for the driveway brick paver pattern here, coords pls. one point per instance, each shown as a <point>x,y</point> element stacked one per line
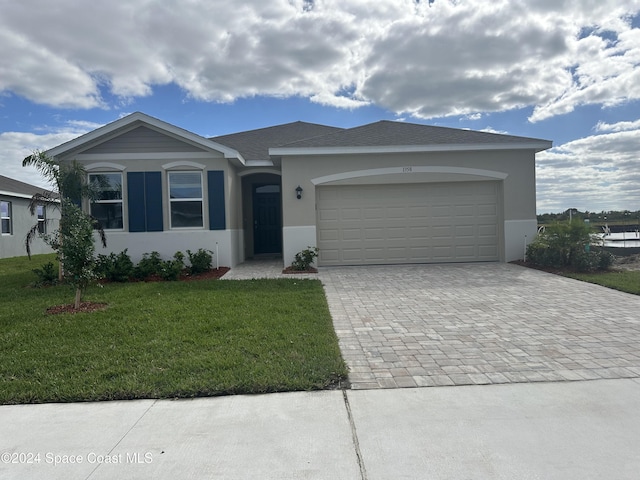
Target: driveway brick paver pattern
<point>469,324</point>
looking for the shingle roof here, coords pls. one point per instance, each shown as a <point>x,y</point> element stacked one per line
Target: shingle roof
<point>255,144</point>
<point>388,133</point>
<point>15,186</point>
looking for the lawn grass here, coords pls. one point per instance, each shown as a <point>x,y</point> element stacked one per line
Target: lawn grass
<point>626,280</point>
<point>163,340</point>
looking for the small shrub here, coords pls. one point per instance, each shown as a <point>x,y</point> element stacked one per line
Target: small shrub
<point>605,260</point>
<point>171,269</point>
<point>200,261</point>
<point>47,275</point>
<point>567,245</point>
<point>115,268</point>
<point>593,261</point>
<point>304,259</point>
<point>150,265</point>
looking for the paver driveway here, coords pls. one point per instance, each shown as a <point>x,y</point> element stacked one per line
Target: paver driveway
<point>460,324</point>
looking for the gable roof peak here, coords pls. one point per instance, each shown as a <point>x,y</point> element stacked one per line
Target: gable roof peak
<point>133,120</point>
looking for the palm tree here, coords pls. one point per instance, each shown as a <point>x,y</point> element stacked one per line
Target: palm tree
<point>68,181</point>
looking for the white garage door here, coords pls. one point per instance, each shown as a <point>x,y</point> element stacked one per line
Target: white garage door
<point>407,223</point>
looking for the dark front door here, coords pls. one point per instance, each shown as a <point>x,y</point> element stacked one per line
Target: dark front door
<point>267,219</point>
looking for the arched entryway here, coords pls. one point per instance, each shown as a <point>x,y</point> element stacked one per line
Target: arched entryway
<point>262,214</point>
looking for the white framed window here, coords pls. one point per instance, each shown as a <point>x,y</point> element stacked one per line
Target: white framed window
<point>185,199</point>
<point>107,207</point>
<point>42,219</point>
<point>5,218</point>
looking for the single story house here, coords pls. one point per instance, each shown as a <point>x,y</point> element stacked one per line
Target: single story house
<point>16,219</point>
<point>383,193</point>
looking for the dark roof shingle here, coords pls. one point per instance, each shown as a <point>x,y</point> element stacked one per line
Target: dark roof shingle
<point>255,144</point>
<point>388,133</point>
<point>15,186</point>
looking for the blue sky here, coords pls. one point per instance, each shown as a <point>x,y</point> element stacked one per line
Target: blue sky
<point>562,70</point>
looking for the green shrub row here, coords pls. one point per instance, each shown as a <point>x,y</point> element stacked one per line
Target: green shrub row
<point>120,268</point>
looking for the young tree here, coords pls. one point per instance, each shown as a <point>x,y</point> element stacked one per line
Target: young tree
<point>68,182</point>
<point>74,242</point>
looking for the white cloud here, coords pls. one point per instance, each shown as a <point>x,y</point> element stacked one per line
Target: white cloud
<point>426,59</point>
<point>15,146</point>
<point>490,129</point>
<point>617,127</point>
<point>595,173</point>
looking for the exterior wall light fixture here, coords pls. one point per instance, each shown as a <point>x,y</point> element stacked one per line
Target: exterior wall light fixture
<point>298,192</point>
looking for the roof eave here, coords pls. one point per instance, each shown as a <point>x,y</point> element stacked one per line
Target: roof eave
<point>284,151</point>
<point>7,193</point>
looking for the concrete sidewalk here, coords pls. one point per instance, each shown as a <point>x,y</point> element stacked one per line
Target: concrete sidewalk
<point>564,430</point>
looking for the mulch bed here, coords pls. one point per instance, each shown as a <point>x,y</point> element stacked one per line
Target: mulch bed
<point>212,274</point>
<point>554,270</point>
<point>85,307</point>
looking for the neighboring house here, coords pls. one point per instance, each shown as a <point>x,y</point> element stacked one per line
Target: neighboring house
<point>383,193</point>
<point>16,219</point>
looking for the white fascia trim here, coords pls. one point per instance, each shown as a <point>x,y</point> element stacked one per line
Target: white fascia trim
<point>99,165</point>
<point>151,121</point>
<point>259,163</point>
<point>15,195</point>
<point>184,163</point>
<point>281,151</point>
<point>408,170</point>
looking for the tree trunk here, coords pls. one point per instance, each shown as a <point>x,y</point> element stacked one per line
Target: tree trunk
<point>60,259</point>
<point>78,295</point>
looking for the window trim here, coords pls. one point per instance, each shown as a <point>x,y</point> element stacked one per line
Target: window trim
<point>8,217</point>
<point>104,202</point>
<point>42,222</point>
<point>190,199</point>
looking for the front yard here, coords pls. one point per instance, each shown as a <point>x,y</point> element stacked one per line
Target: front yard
<point>163,340</point>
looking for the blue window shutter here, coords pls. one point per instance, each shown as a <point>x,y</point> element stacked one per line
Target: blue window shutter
<point>135,201</point>
<point>215,180</point>
<point>153,201</point>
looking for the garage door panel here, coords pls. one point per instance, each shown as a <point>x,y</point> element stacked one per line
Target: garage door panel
<point>329,235</point>
<point>441,252</point>
<point>399,233</point>
<point>487,209</point>
<point>419,232</point>
<point>465,231</point>
<point>329,256</point>
<point>350,214</point>
<point>406,223</point>
<point>396,212</point>
<point>487,251</point>
<point>328,214</point>
<point>487,230</point>
<point>352,254</point>
<point>419,212</point>
<point>465,210</point>
<point>374,253</point>
<point>351,234</point>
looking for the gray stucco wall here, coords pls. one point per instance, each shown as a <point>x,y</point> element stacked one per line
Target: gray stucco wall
<point>22,221</point>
